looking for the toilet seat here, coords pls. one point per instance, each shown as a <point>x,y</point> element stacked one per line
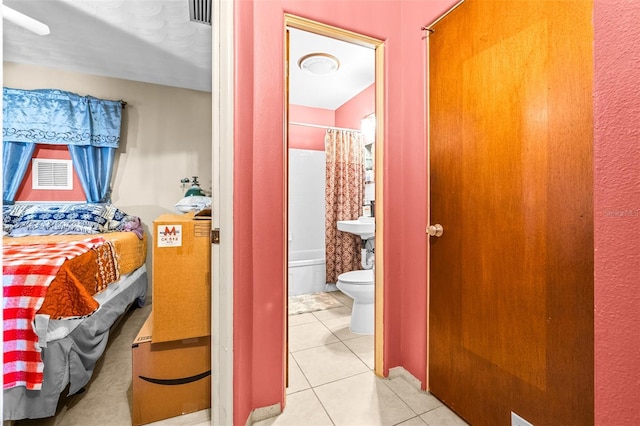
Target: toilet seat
<point>362,277</point>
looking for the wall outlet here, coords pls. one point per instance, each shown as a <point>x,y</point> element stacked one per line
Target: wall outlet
<point>516,420</point>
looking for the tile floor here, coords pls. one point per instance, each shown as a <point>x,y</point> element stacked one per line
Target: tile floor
<point>331,382</point>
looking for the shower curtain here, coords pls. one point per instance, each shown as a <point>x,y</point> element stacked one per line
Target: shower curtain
<point>344,195</point>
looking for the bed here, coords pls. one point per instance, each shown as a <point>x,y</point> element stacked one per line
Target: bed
<point>70,271</point>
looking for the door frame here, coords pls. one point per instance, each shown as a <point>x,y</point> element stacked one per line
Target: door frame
<point>293,21</point>
<point>222,119</point>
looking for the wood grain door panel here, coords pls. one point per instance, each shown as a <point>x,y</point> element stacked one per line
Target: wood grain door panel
<point>511,279</point>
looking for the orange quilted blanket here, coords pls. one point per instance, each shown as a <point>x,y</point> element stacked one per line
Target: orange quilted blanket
<point>70,293</point>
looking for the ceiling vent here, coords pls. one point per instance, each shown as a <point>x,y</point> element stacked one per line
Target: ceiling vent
<point>200,11</point>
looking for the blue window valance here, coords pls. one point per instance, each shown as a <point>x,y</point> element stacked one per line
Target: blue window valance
<point>57,117</point>
<point>90,127</point>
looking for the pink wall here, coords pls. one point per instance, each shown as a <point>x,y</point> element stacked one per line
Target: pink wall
<point>26,193</point>
<point>348,115</point>
<point>303,137</point>
<point>617,211</point>
<point>356,108</point>
<point>259,195</point>
<point>259,199</point>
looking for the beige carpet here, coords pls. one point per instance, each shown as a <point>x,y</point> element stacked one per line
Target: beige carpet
<point>312,302</point>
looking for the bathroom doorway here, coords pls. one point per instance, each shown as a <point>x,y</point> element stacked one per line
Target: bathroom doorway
<point>311,112</point>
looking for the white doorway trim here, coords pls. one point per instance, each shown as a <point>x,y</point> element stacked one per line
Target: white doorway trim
<point>222,214</point>
<point>292,21</point>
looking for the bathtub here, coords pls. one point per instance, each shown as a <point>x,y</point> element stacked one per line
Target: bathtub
<point>307,272</point>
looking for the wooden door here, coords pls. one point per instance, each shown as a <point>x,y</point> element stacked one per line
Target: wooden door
<point>511,279</point>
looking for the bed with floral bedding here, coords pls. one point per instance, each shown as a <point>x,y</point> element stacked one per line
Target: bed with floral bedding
<point>70,271</point>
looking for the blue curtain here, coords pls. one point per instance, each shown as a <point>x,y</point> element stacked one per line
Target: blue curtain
<point>15,158</point>
<point>90,127</point>
<point>93,165</point>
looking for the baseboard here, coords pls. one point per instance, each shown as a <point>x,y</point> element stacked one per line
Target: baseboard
<point>263,413</point>
<point>410,378</point>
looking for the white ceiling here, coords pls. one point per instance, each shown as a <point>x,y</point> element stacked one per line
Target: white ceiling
<point>154,41</point>
<point>142,40</point>
<point>356,72</point>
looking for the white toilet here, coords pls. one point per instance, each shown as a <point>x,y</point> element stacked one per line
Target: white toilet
<point>359,285</point>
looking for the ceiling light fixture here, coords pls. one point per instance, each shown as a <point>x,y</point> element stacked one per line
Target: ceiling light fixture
<point>24,21</point>
<point>319,63</point>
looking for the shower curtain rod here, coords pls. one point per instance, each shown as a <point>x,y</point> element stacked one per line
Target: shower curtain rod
<point>320,126</point>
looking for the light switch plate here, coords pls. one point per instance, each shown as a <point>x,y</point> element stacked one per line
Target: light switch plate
<point>516,420</point>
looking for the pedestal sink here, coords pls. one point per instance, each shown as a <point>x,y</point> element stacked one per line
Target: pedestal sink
<point>365,227</point>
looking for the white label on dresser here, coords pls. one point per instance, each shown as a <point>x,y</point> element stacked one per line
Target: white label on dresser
<point>169,235</point>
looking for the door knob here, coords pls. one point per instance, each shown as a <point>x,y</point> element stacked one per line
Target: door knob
<point>435,230</point>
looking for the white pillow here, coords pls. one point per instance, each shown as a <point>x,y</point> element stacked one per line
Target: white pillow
<point>193,203</point>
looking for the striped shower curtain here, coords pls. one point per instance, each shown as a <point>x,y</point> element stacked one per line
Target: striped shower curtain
<point>344,195</point>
